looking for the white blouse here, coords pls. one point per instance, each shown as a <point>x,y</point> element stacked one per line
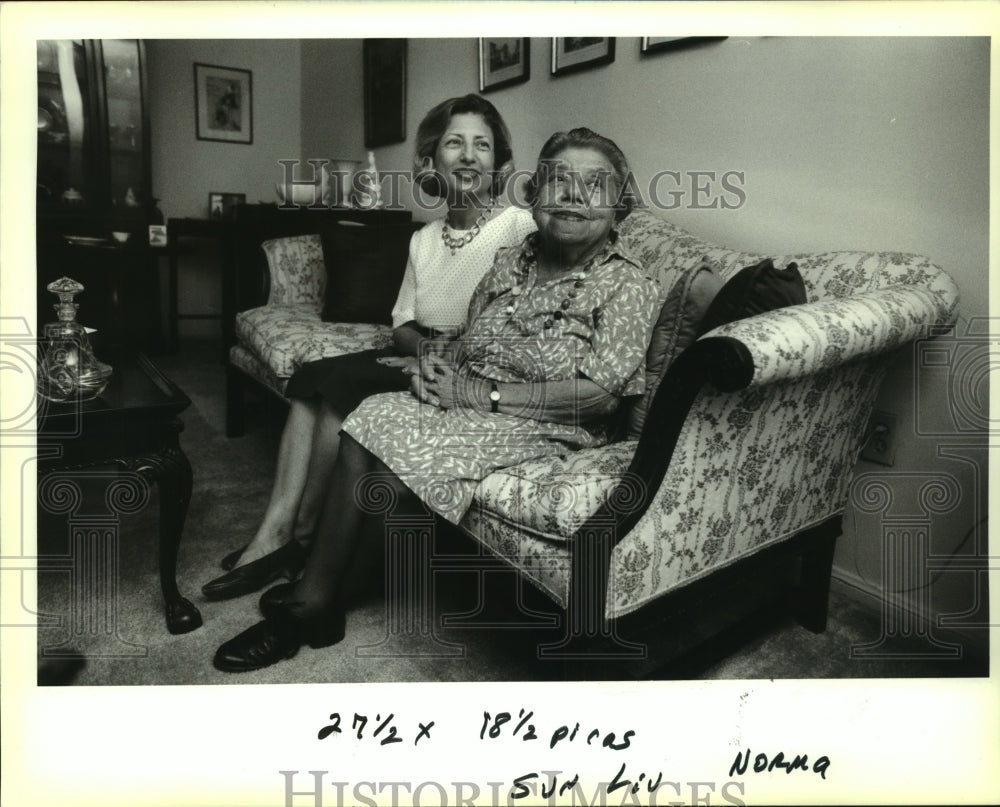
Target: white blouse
<point>437,285</point>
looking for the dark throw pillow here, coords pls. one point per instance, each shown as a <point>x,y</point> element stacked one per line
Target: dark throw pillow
<point>754,290</point>
<point>365,265</point>
<point>683,308</point>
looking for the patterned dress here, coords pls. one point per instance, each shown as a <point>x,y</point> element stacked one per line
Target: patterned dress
<point>594,323</point>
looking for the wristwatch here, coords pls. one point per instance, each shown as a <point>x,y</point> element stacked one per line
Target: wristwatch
<point>494,398</point>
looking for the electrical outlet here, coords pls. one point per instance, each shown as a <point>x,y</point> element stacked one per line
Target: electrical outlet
<point>881,445</point>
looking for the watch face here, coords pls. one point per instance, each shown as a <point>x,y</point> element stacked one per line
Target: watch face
<point>495,395</point>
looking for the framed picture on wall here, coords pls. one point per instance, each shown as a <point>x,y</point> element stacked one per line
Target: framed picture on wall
<point>658,44</point>
<point>223,103</point>
<point>220,205</point>
<point>503,62</point>
<point>572,53</point>
<point>385,91</point>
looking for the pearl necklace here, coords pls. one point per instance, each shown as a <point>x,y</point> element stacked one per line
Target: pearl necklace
<point>456,243</point>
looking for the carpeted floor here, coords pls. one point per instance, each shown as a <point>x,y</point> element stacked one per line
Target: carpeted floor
<point>232,478</point>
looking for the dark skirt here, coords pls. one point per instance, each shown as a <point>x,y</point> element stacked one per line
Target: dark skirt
<point>345,381</point>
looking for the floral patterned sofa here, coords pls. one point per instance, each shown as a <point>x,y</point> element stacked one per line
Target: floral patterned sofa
<point>746,454</point>
<point>744,459</point>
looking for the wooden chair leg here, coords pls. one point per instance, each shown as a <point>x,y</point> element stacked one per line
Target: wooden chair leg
<point>235,424</point>
<point>811,598</point>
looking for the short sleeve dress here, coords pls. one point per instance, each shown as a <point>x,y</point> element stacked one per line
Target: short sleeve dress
<point>435,292</point>
<point>594,323</point>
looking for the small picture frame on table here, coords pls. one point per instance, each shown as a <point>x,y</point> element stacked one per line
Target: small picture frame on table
<point>157,235</point>
<point>221,205</point>
<point>572,53</point>
<point>503,62</point>
<point>223,103</point>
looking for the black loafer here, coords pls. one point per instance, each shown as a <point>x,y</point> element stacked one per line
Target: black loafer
<point>256,648</point>
<point>287,561</point>
<point>279,637</point>
<point>229,561</point>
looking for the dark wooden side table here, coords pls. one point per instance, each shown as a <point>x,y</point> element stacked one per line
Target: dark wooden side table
<point>132,426</point>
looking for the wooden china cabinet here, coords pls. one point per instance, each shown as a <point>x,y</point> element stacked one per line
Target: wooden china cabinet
<point>93,180</point>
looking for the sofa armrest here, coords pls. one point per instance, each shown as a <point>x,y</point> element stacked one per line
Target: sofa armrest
<point>785,345</point>
<point>806,339</point>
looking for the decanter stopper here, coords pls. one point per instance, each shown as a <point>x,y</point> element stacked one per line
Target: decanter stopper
<point>69,370</point>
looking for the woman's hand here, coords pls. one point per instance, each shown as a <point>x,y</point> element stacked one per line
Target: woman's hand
<point>406,364</point>
<point>441,345</point>
<point>439,385</point>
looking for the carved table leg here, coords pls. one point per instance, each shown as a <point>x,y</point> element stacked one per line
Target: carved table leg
<point>172,472</point>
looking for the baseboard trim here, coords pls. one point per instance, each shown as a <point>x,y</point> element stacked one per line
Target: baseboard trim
<point>869,596</point>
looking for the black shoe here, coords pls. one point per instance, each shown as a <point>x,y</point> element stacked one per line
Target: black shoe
<point>279,595</point>
<point>229,561</point>
<point>279,637</point>
<point>286,561</point>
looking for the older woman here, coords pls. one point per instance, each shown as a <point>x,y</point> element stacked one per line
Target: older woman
<point>556,335</point>
<point>463,155</point>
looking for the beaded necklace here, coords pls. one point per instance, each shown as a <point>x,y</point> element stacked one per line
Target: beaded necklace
<point>529,257</point>
<point>456,243</point>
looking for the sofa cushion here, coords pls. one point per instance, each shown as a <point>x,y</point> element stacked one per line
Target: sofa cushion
<point>285,336</point>
<point>297,271</point>
<point>754,290</point>
<point>553,496</point>
<point>366,265</point>
<point>683,308</point>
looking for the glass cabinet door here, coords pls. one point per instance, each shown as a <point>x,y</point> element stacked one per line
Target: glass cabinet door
<point>67,172</point>
<point>93,143</point>
<point>123,104</point>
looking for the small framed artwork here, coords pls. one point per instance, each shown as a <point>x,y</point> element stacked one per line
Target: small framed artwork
<point>157,235</point>
<point>223,103</point>
<point>385,91</point>
<point>503,62</point>
<point>572,53</point>
<point>221,205</point>
<point>657,44</point>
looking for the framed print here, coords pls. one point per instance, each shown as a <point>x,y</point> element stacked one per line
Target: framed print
<point>657,44</point>
<point>572,53</point>
<point>385,91</point>
<point>503,62</point>
<point>220,205</point>
<point>223,103</point>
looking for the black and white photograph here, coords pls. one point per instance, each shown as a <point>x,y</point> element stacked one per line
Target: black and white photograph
<point>224,103</point>
<point>503,62</point>
<point>649,393</point>
<point>574,53</point>
<point>222,205</point>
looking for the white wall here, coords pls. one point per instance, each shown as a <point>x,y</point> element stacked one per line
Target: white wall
<point>846,143</point>
<point>186,169</point>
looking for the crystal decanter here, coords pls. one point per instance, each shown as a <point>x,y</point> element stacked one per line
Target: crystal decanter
<point>69,370</point>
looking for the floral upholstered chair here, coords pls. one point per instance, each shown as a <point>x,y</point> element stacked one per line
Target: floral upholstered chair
<point>274,339</point>
<point>745,452</point>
